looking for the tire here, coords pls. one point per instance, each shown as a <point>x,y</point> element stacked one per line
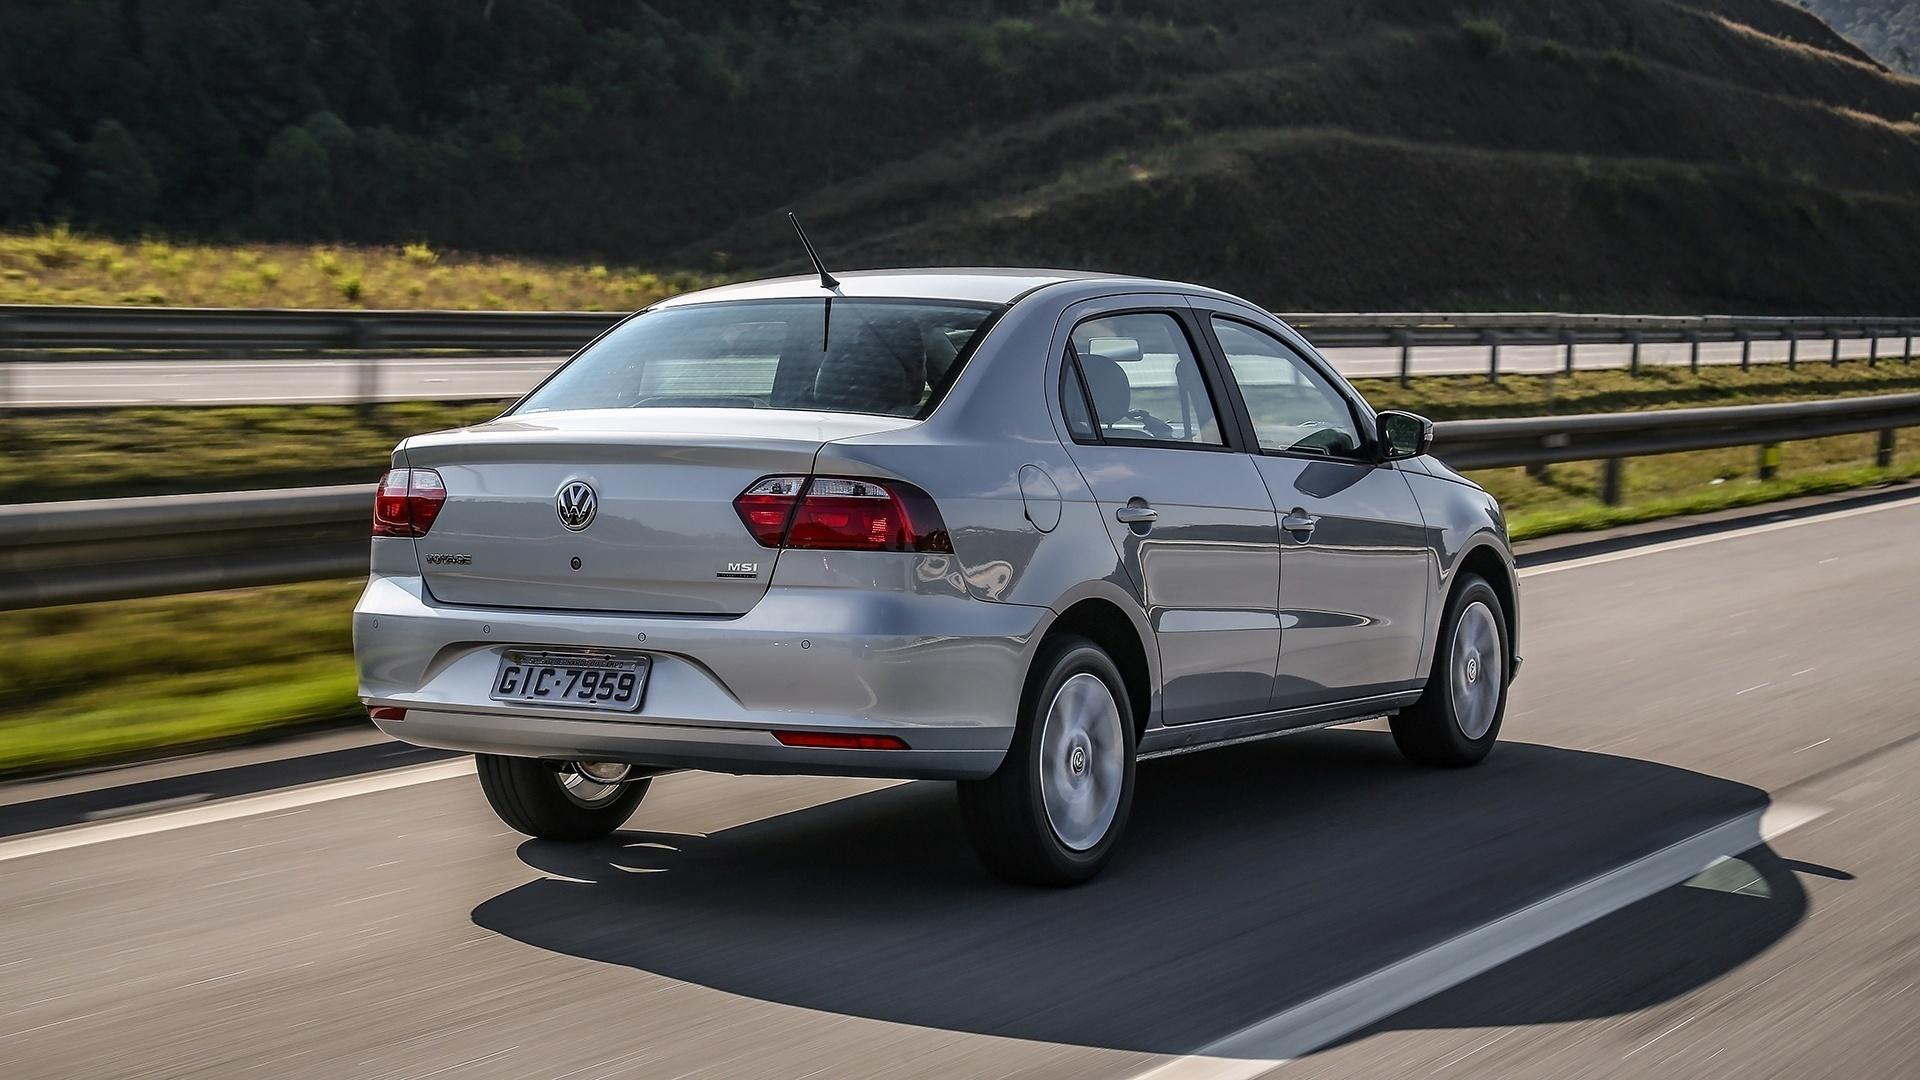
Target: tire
<point>1054,810</point>
<point>1458,716</point>
<point>535,797</point>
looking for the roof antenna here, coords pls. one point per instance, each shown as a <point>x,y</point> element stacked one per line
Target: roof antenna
<point>827,281</point>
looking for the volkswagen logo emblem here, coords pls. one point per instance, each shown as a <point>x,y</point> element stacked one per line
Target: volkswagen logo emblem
<point>576,504</point>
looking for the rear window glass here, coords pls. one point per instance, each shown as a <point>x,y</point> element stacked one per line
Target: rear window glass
<point>883,357</point>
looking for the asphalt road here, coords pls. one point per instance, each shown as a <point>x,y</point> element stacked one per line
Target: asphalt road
<point>1270,897</point>
<point>417,378</point>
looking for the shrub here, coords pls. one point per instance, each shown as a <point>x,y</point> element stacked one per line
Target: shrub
<point>1485,37</point>
<point>1622,61</point>
<point>351,288</point>
<point>1553,52</point>
<point>419,255</point>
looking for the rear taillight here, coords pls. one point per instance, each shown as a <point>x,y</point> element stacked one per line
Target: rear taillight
<point>834,513</point>
<point>407,501</point>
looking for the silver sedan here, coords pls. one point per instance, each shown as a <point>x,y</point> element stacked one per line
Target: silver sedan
<point>1020,529</point>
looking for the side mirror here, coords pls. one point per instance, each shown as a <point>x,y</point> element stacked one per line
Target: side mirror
<point>1403,435</point>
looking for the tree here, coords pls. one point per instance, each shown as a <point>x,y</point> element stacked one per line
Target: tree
<point>293,187</point>
<point>118,189</point>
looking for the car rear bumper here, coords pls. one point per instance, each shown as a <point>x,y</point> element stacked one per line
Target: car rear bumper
<point>940,671</point>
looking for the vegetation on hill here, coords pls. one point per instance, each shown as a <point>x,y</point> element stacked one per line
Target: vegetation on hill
<point>1888,29</point>
<point>1669,155</point>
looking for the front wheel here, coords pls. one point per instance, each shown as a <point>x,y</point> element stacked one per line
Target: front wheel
<point>554,800</point>
<point>1053,811</point>
<point>1458,715</point>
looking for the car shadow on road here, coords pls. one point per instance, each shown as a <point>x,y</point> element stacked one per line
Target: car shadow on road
<point>1252,878</point>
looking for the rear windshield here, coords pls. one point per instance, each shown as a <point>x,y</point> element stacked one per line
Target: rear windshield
<point>884,357</point>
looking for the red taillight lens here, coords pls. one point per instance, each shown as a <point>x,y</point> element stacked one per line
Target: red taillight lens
<point>832,513</point>
<point>407,501</point>
<point>833,740</point>
<point>767,506</point>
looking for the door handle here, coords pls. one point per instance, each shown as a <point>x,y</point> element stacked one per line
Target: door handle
<point>1136,514</point>
<point>1299,522</point>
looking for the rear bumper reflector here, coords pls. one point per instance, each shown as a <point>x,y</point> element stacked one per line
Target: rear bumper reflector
<point>830,740</point>
<point>385,712</point>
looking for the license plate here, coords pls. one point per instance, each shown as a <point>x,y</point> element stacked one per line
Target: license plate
<point>577,680</point>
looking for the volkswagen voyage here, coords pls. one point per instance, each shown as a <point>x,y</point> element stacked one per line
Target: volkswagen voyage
<point>1020,529</point>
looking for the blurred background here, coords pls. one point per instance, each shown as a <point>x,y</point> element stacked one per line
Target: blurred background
<point>1444,173</point>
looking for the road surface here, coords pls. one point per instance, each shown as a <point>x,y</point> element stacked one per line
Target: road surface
<point>1738,702</point>
<point>418,378</point>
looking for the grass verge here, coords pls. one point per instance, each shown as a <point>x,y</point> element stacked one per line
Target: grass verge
<point>98,681</point>
<point>58,266</point>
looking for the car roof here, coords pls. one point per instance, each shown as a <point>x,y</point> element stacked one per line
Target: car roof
<point>991,285</point>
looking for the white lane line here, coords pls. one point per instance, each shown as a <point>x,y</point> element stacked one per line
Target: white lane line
<point>1292,1033</point>
<point>231,809</point>
<point>1714,538</point>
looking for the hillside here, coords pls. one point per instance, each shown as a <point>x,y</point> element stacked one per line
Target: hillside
<point>1654,154</point>
<point>1889,30</point>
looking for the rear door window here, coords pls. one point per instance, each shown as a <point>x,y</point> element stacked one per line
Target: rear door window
<point>1144,381</point>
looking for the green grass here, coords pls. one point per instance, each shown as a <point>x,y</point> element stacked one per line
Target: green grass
<point>98,681</point>
<point>58,266</point>
<point>119,452</point>
<point>1538,521</point>
<point>1460,397</point>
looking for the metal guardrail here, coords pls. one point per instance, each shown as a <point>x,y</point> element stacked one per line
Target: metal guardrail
<point>69,332</point>
<point>268,329</point>
<point>115,549</point>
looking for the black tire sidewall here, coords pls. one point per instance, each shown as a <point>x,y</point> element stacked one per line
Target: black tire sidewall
<point>1073,656</point>
<point>527,795</point>
<point>1471,590</point>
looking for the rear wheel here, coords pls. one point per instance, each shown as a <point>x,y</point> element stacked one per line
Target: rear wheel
<point>556,800</point>
<point>1053,811</point>
<point>1458,717</point>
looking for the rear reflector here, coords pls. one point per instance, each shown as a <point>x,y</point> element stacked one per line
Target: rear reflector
<point>829,740</point>
<point>836,513</point>
<point>385,712</point>
<point>407,501</point>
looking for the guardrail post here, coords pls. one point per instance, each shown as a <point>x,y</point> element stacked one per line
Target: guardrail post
<point>1769,460</point>
<point>1907,358</point>
<point>1633,366</point>
<point>1834,359</point>
<point>1746,352</point>
<point>1493,355</point>
<point>6,360</point>
<point>366,337</point>
<point>1404,339</point>
<point>1793,349</point>
<point>1693,351</point>
<point>1566,338</point>
<point>1873,348</point>
<point>1610,471</point>
<point>1883,450</point>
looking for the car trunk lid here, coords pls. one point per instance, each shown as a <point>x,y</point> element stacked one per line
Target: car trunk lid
<point>663,535</point>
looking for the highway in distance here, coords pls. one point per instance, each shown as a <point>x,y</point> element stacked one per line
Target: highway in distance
<point>295,380</point>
